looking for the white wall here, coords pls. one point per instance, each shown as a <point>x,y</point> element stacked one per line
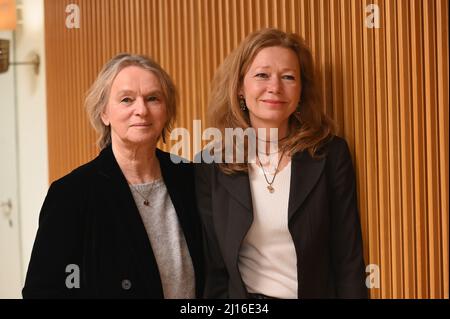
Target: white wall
<point>10,247</point>
<point>23,137</point>
<point>32,125</point>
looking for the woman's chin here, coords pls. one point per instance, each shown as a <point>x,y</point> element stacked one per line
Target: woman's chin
<point>142,140</point>
<point>271,120</point>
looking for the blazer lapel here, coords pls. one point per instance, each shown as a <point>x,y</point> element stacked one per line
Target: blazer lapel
<point>240,215</point>
<point>128,218</point>
<point>238,186</point>
<point>304,176</point>
<point>177,197</point>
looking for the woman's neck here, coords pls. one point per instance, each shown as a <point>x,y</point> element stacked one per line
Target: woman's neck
<point>270,139</point>
<point>270,134</point>
<point>139,164</point>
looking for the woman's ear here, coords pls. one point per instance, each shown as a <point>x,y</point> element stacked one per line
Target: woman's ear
<point>105,118</point>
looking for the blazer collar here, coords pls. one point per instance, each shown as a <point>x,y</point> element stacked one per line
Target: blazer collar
<point>238,186</point>
<point>305,172</point>
<point>128,216</point>
<point>109,168</point>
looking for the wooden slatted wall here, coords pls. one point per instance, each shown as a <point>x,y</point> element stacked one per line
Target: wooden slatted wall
<point>387,89</point>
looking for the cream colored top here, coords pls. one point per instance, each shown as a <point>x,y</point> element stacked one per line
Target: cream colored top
<point>267,258</point>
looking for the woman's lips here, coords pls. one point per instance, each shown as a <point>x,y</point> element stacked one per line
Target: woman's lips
<point>141,125</point>
<point>274,102</point>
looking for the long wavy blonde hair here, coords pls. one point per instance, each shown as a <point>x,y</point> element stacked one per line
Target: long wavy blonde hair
<point>309,127</point>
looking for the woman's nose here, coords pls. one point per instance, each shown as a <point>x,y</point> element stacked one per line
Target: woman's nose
<point>274,85</point>
<point>141,107</point>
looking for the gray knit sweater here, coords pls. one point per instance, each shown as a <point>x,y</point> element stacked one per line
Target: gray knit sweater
<point>166,238</point>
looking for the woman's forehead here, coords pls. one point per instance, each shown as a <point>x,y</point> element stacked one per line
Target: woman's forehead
<point>134,78</point>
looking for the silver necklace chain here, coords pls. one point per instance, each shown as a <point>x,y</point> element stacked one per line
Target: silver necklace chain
<point>270,188</point>
<point>145,198</point>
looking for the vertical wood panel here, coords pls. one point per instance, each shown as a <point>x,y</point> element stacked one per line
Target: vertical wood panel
<point>357,100</point>
<point>347,75</point>
<point>369,132</point>
<point>420,210</point>
<point>386,88</point>
<point>407,189</point>
<point>380,87</point>
<point>442,67</point>
<point>394,155</point>
<point>432,165</point>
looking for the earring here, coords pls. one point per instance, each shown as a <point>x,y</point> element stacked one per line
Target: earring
<point>242,104</point>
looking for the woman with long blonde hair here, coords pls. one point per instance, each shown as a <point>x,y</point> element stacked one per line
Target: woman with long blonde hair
<point>283,223</point>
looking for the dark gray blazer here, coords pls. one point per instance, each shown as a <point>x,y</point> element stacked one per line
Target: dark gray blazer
<point>323,221</point>
<point>90,219</point>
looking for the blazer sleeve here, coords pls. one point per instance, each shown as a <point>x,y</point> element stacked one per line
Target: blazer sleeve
<point>346,239</point>
<point>216,275</point>
<point>57,247</point>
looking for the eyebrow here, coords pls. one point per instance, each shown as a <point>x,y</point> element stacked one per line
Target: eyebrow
<point>262,67</point>
<point>131,92</point>
<point>125,92</point>
<point>268,67</point>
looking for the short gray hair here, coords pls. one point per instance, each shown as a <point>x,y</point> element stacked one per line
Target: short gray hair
<point>98,94</point>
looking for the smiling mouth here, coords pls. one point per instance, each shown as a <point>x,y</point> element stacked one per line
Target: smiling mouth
<point>141,125</point>
<point>273,102</point>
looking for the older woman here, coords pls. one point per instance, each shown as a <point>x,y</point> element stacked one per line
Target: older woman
<point>124,225</point>
<point>288,227</point>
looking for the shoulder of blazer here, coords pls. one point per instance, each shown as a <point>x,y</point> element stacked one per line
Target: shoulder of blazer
<point>178,176</point>
<point>332,149</point>
<point>67,194</point>
<point>337,153</point>
<point>171,163</point>
<point>335,147</point>
<point>106,165</point>
<point>77,185</point>
<point>80,176</point>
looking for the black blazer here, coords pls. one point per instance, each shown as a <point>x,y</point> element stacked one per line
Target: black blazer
<point>90,219</point>
<point>323,222</point>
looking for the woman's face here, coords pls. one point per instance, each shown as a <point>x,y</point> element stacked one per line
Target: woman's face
<point>272,88</point>
<point>136,108</point>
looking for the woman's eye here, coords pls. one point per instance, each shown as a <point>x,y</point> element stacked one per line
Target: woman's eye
<point>289,77</point>
<point>126,100</point>
<point>152,98</point>
<point>262,75</point>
